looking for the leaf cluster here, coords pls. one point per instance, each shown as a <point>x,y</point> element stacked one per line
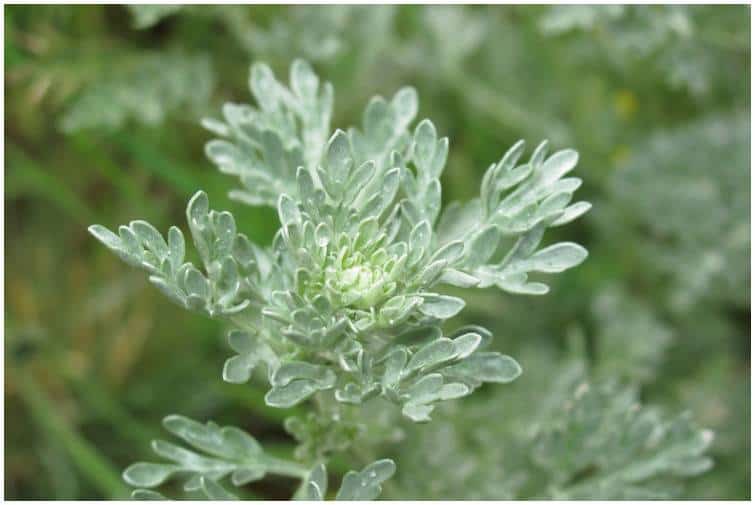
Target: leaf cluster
<point>346,300</point>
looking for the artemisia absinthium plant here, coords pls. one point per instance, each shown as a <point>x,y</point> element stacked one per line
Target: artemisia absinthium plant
<point>346,305</point>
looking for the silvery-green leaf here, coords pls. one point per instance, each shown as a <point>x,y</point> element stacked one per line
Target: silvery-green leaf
<point>454,277</point>
<point>238,443</point>
<point>148,474</point>
<point>431,354</point>
<point>425,389</point>
<point>419,238</point>
<point>243,252</point>
<point>389,187</point>
<point>226,155</point>
<point>405,103</point>
<point>558,165</point>
<point>292,393</point>
<point>338,157</point>
<point>419,413</point>
<point>488,193</point>
<point>224,228</point>
<point>557,257</point>
<point>431,200</point>
<point>228,282</point>
<point>288,212</point>
<point>359,178</point>
<point>304,81</point>
<point>466,344</point>
<point>228,441</point>
<point>289,371</point>
<point>215,453</point>
<point>366,485</point>
<point>430,274</point>
<point>482,246</point>
<point>398,308</point>
<point>350,393</point>
<point>312,492</point>
<point>514,284</point>
<point>440,306</point>
<point>457,220</point>
<point>450,252</point>
<point>107,237</point>
<point>238,369</point>
<point>316,484</point>
<point>486,367</point>
<point>198,208</point>
<point>150,238</point>
<point>439,159</point>
<point>513,177</point>
<point>177,247</point>
<point>572,212</point>
<point>566,185</point>
<point>498,176</point>
<point>394,366</point>
<point>525,245</point>
<point>375,115</point>
<point>367,231</point>
<point>425,138</point>
<point>484,333</point>
<point>115,243</point>
<point>306,185</point>
<point>197,214</point>
<point>539,154</point>
<point>453,391</point>
<point>215,491</point>
<point>241,341</point>
<point>185,458</point>
<point>146,494</point>
<point>196,284</point>
<point>554,204</point>
<point>215,126</point>
<point>263,85</point>
<point>130,242</point>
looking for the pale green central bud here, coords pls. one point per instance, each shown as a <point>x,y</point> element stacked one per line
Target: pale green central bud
<point>360,278</point>
<point>352,280</point>
<point>362,286</point>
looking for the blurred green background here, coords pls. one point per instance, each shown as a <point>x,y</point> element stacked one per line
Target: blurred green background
<point>102,109</point>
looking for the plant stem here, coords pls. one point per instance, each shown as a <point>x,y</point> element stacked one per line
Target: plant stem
<point>285,468</point>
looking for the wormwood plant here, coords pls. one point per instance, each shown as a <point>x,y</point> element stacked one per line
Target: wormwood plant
<point>346,306</point>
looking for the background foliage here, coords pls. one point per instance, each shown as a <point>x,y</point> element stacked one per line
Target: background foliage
<point>102,125</point>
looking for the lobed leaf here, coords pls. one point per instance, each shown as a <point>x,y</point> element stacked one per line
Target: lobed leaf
<point>366,484</point>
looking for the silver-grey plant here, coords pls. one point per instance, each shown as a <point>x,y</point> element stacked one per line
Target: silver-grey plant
<point>347,302</point>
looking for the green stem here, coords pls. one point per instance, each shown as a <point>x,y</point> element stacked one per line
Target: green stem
<point>285,468</point>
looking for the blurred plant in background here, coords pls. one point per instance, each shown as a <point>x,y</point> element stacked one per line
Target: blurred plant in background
<point>102,125</point>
